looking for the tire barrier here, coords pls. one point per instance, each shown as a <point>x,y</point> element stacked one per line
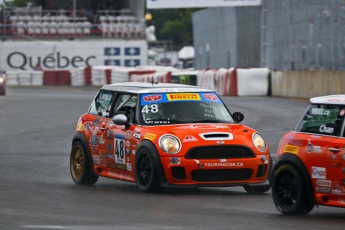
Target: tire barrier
<point>226,82</point>
<point>56,77</point>
<point>150,77</point>
<point>24,78</point>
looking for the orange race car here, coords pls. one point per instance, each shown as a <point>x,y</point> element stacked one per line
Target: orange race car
<point>310,167</point>
<point>167,135</point>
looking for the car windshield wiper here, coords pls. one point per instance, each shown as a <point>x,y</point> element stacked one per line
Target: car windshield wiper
<point>208,121</point>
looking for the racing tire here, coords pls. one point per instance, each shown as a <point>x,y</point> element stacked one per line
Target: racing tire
<point>256,189</point>
<point>289,192</point>
<point>146,172</point>
<point>80,166</point>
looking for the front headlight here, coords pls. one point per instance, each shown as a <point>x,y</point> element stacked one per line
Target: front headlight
<point>169,144</point>
<point>259,142</point>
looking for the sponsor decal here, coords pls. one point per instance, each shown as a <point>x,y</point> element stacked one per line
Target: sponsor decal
<point>110,135</point>
<point>323,189</point>
<point>128,151</point>
<point>129,134</point>
<point>319,111</point>
<point>121,167</point>
<point>184,97</point>
<point>295,142</point>
<point>128,143</point>
<point>309,147</point>
<point>110,156</point>
<point>224,164</point>
<point>104,161</point>
<point>152,98</point>
<point>189,138</point>
<point>133,151</point>
<point>109,146</point>
<point>80,127</point>
<point>341,201</point>
<point>94,140</point>
<point>136,135</point>
<point>210,97</point>
<point>342,112</point>
<point>220,142</point>
<point>96,159</point>
<point>324,183</point>
<point>129,166</point>
<point>94,150</point>
<point>128,159</point>
<point>222,160</point>
<point>101,141</point>
<point>97,121</point>
<point>102,153</point>
<point>114,174</point>
<point>325,129</point>
<point>318,172</point>
<point>201,165</point>
<point>317,149</point>
<point>149,136</point>
<point>291,149</point>
<point>336,188</point>
<point>204,127</point>
<point>111,164</point>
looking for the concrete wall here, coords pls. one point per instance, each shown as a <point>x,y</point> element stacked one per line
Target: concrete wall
<point>307,84</point>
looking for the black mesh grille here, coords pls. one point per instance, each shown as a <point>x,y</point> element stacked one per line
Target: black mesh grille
<point>261,170</point>
<point>178,173</point>
<point>216,135</point>
<point>221,175</point>
<point>219,152</point>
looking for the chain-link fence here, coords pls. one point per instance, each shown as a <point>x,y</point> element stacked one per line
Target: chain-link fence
<point>279,34</point>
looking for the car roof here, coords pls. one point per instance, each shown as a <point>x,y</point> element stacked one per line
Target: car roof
<point>144,87</point>
<point>329,99</point>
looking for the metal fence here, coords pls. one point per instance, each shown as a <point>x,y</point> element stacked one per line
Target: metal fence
<point>279,34</point>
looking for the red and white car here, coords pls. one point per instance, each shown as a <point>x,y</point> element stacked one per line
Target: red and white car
<point>310,167</point>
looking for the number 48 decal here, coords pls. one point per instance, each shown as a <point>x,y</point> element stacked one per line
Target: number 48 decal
<point>154,109</point>
<point>119,149</point>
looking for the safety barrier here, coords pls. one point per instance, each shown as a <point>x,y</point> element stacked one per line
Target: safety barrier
<point>226,82</point>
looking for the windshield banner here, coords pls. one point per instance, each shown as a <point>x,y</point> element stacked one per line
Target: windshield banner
<point>181,97</point>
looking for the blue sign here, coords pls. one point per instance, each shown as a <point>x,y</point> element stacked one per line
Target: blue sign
<point>112,62</point>
<point>132,62</point>
<point>112,51</point>
<point>132,51</point>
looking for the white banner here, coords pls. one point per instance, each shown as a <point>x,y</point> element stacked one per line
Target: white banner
<point>161,4</point>
<point>29,55</point>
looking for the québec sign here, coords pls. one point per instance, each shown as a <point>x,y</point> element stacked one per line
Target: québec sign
<point>27,55</point>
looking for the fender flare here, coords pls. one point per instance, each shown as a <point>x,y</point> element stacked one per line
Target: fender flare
<point>148,145</point>
<point>79,136</point>
<point>298,163</point>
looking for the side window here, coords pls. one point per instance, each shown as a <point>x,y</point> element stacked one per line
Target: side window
<point>322,119</point>
<point>102,103</point>
<point>126,104</point>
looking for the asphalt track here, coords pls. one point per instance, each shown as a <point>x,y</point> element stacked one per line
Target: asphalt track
<point>37,192</point>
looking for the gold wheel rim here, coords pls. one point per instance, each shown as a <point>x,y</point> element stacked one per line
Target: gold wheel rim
<point>77,162</point>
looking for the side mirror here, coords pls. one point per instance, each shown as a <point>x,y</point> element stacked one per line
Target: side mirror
<point>238,117</point>
<point>121,119</point>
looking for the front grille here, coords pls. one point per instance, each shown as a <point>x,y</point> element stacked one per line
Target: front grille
<point>178,172</point>
<point>219,152</point>
<point>221,175</point>
<point>216,135</point>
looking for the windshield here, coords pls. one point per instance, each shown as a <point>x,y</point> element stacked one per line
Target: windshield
<point>180,108</point>
<point>322,119</point>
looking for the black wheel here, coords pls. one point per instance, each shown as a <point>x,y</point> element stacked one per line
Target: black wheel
<point>80,166</point>
<point>146,173</point>
<point>256,189</point>
<point>289,192</point>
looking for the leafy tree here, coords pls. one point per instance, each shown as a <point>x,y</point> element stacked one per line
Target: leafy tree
<point>175,25</point>
<point>16,3</point>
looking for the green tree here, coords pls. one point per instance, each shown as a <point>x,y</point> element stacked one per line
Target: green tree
<point>16,3</point>
<point>175,25</point>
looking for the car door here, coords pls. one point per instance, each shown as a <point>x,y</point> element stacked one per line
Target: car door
<point>95,123</point>
<point>120,140</point>
<point>336,155</point>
